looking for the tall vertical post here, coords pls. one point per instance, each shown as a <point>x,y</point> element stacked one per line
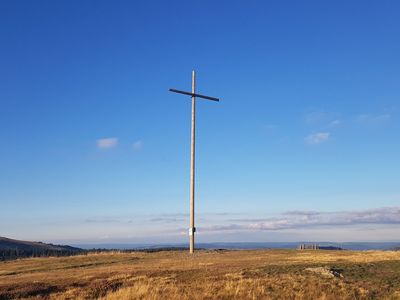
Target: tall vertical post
<point>192,229</point>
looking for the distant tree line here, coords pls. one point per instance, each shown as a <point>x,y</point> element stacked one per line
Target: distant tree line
<point>9,254</point>
<point>146,250</point>
<point>15,253</point>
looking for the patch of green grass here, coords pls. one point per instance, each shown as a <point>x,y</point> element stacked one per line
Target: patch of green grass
<point>379,278</point>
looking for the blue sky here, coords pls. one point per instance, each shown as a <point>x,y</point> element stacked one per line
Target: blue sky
<point>94,148</point>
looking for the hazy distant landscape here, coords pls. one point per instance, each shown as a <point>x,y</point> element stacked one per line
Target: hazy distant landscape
<point>15,249</point>
<point>249,245</point>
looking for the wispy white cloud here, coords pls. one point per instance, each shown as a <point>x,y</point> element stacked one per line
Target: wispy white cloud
<point>270,127</point>
<point>107,143</point>
<point>322,119</point>
<point>372,120</point>
<point>138,145</point>
<point>107,220</point>
<point>316,117</point>
<point>335,123</point>
<point>317,138</point>
<point>301,219</point>
<point>167,220</point>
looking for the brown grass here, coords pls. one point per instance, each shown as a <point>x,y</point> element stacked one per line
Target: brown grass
<point>261,274</point>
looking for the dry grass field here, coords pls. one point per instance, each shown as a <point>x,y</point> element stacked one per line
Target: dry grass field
<point>255,274</point>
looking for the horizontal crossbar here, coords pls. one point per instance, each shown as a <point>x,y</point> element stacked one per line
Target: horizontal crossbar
<point>195,95</point>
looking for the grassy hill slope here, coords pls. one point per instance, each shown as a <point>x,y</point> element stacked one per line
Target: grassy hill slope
<point>11,249</point>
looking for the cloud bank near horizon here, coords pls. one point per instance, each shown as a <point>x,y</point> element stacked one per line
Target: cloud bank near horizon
<point>378,224</point>
<point>310,219</point>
